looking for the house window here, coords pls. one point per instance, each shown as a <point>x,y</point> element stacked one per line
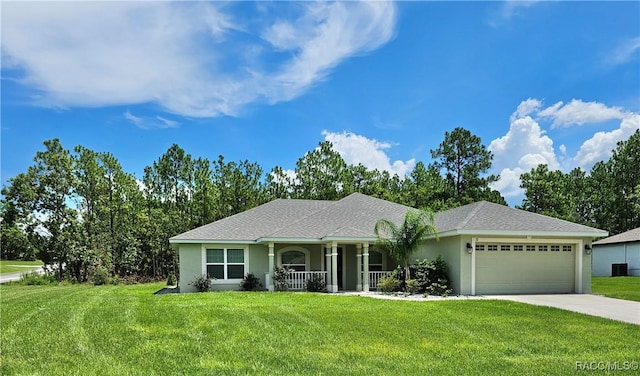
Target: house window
<point>492,247</point>
<point>555,248</point>
<point>567,248</point>
<point>375,261</point>
<point>479,247</point>
<point>225,263</point>
<point>518,247</point>
<point>543,248</point>
<point>505,247</point>
<point>295,260</point>
<point>531,248</point>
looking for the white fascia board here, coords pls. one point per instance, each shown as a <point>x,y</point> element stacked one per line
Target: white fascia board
<point>210,241</point>
<point>342,239</point>
<point>289,240</point>
<point>520,234</point>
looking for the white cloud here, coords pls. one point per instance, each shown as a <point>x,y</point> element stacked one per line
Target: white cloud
<point>625,52</point>
<point>356,149</point>
<point>526,108</point>
<point>600,146</point>
<point>192,59</point>
<point>150,122</point>
<point>523,147</point>
<point>526,144</point>
<point>578,112</point>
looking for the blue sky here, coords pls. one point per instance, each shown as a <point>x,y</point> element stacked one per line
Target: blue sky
<point>539,82</point>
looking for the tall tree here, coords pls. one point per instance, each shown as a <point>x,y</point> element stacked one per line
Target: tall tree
<point>465,161</point>
<point>321,174</point>
<point>402,241</point>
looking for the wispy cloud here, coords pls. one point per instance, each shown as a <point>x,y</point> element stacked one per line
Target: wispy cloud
<point>513,7</point>
<point>192,59</point>
<point>625,52</point>
<point>357,149</point>
<point>150,122</point>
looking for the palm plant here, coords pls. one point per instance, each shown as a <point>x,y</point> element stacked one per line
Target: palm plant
<point>402,241</point>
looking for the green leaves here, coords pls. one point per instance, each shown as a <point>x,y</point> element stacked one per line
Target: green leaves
<point>401,241</point>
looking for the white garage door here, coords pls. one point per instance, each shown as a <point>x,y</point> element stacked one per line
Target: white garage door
<point>524,268</point>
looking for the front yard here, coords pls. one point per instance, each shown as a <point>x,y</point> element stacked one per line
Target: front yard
<point>125,330</point>
<point>627,288</point>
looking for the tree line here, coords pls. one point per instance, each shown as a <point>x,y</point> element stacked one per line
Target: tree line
<point>608,197</point>
<point>79,210</point>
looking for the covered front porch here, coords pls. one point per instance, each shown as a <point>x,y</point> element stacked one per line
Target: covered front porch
<point>342,266</point>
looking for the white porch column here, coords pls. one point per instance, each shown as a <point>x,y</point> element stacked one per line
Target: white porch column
<point>473,266</point>
<point>365,260</point>
<point>272,265</point>
<point>359,267</point>
<point>327,264</point>
<point>334,267</point>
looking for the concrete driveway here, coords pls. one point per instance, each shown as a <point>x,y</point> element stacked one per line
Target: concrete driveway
<point>8,277</point>
<point>595,305</point>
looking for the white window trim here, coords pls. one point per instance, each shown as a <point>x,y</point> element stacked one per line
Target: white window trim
<point>307,255</point>
<point>227,281</point>
<point>384,258</point>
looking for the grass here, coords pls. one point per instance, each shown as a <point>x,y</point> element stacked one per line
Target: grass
<point>627,288</point>
<point>127,330</point>
<point>13,266</point>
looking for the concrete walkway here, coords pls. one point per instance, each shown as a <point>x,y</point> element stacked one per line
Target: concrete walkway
<point>595,305</point>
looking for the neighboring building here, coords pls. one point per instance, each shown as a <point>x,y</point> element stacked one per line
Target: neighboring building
<point>618,249</point>
<point>489,248</point>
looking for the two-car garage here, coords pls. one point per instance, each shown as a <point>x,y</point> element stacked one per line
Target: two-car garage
<point>524,268</point>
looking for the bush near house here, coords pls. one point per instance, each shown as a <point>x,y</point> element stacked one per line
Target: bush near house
<point>202,283</point>
<point>427,277</point>
<point>250,283</point>
<point>315,284</point>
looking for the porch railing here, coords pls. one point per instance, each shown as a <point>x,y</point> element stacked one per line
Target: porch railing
<point>374,278</point>
<point>298,280</point>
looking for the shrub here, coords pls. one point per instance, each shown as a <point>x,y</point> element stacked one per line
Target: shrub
<point>389,283</point>
<point>280,278</point>
<point>202,283</point>
<point>100,276</point>
<point>427,273</point>
<point>250,283</point>
<point>411,286</point>
<point>440,288</point>
<point>35,278</point>
<point>171,280</point>
<point>315,284</point>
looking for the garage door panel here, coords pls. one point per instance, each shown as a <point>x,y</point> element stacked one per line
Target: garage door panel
<point>524,272</point>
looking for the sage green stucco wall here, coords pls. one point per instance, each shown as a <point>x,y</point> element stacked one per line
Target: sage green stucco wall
<point>259,262</point>
<point>449,249</point>
<point>190,265</point>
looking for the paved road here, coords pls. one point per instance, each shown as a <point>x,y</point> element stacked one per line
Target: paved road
<point>595,305</point>
<point>8,277</point>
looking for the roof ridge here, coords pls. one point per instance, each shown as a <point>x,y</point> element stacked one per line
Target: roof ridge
<point>472,213</point>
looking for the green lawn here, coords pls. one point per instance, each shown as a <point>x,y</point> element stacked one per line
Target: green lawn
<point>126,330</point>
<point>12,266</point>
<point>627,288</point>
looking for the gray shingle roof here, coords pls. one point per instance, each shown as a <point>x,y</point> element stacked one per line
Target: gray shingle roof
<point>355,216</point>
<point>625,237</point>
<point>490,217</point>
